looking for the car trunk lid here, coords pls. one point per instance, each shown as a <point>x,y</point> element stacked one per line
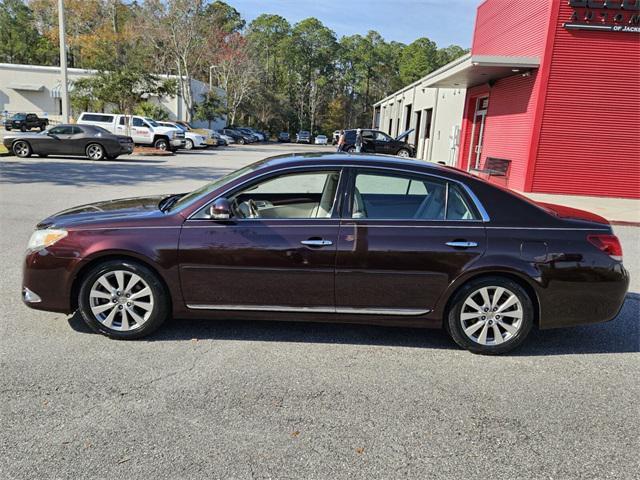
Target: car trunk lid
<point>570,213</point>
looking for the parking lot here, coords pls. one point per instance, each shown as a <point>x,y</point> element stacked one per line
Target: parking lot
<point>237,399</point>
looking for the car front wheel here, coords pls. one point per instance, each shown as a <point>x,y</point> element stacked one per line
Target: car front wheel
<point>95,152</point>
<point>403,152</point>
<point>188,144</point>
<point>22,149</point>
<point>161,144</point>
<point>123,300</point>
<point>490,315</point>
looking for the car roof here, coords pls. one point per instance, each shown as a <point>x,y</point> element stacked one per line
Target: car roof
<point>357,159</point>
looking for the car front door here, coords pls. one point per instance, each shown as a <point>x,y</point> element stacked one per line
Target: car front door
<point>383,143</point>
<point>276,252</point>
<point>141,132</point>
<point>56,141</point>
<point>404,238</point>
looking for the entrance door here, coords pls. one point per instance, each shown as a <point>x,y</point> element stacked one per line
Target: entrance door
<point>477,132</point>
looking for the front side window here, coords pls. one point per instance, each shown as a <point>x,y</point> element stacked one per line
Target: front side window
<point>382,137</point>
<point>62,130</point>
<point>138,122</point>
<point>403,197</point>
<point>291,196</point>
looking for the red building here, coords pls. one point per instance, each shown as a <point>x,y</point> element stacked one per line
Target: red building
<point>553,86</point>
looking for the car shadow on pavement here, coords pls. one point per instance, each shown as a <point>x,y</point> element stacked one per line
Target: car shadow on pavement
<point>65,172</point>
<point>618,336</point>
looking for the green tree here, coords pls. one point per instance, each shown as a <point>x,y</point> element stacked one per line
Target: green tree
<point>418,59</point>
<point>210,109</point>
<point>222,16</point>
<point>151,110</point>
<point>20,40</point>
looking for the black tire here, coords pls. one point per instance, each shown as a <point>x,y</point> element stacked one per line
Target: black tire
<point>241,141</point>
<point>454,322</point>
<point>42,128</point>
<point>8,129</point>
<point>161,305</point>
<point>161,144</point>
<point>403,152</point>
<point>188,144</point>
<point>95,151</point>
<point>23,128</point>
<point>21,148</point>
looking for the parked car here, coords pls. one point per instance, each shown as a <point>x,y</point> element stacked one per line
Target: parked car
<point>303,136</point>
<point>144,131</point>
<point>240,137</point>
<point>385,240</point>
<point>95,143</point>
<point>209,134</point>
<point>220,141</point>
<point>283,137</point>
<point>192,139</point>
<point>25,122</point>
<point>227,138</point>
<point>375,141</point>
<point>320,140</point>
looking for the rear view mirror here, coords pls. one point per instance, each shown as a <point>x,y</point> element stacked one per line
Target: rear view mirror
<point>220,209</point>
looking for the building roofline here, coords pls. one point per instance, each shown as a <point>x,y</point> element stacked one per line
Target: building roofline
<point>426,78</point>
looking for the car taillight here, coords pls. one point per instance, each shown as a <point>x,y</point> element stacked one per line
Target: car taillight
<point>609,244</point>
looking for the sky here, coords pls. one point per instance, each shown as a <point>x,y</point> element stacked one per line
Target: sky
<point>444,21</point>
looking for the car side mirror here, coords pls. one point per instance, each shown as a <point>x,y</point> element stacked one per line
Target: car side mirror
<point>220,209</point>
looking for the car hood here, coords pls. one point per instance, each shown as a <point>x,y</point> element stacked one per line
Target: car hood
<point>104,212</point>
<point>404,134</point>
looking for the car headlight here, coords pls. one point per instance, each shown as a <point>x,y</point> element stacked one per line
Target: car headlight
<point>45,238</point>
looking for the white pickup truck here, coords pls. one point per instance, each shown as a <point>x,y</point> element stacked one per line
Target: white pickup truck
<point>144,131</point>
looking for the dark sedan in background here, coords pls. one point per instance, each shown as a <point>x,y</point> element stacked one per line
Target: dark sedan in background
<point>375,141</point>
<point>89,141</point>
<point>333,237</point>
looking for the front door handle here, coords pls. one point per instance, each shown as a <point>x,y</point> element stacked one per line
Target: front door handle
<point>312,242</point>
<point>461,244</point>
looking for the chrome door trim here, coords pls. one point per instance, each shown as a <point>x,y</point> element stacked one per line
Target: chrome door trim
<point>344,310</point>
<point>317,243</point>
<point>461,244</point>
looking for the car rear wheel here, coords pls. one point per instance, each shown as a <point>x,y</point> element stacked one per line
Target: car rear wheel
<point>123,300</point>
<point>22,149</point>
<point>95,151</point>
<point>23,128</point>
<point>403,152</point>
<point>241,141</point>
<point>490,315</point>
<point>188,144</point>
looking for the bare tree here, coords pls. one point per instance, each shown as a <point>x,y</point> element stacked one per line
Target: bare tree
<point>179,33</point>
<point>235,71</point>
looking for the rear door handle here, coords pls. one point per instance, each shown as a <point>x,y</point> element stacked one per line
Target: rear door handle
<point>461,244</point>
<point>317,243</point>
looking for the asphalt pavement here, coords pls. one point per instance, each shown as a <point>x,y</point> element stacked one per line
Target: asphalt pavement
<point>236,400</point>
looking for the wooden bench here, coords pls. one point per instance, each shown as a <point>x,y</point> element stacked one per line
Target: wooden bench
<point>495,167</point>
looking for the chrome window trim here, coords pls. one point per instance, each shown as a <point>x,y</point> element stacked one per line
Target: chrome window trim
<point>322,309</point>
<point>474,198</point>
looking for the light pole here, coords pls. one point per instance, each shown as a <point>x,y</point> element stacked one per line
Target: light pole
<point>64,90</point>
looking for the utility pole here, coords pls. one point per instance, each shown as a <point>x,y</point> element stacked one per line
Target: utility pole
<point>64,90</point>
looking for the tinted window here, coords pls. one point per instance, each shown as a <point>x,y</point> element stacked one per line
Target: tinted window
<point>382,137</point>
<point>138,122</point>
<point>19,116</point>
<point>94,117</point>
<point>122,121</point>
<point>391,196</point>
<point>62,130</point>
<point>76,130</point>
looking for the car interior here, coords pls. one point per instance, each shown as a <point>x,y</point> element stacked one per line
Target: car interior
<point>306,195</point>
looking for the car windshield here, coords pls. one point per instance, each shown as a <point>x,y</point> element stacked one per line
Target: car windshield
<point>189,198</point>
<point>19,116</point>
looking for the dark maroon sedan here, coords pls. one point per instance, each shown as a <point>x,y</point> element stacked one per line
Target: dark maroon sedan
<point>344,238</point>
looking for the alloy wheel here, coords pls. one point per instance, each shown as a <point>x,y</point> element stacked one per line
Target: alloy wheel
<point>121,300</point>
<point>403,153</point>
<point>491,315</point>
<point>95,152</point>
<point>21,149</point>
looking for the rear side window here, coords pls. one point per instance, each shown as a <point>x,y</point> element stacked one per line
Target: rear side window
<point>384,196</point>
<point>95,117</point>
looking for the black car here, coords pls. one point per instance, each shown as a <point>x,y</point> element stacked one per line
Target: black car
<point>90,141</point>
<point>238,136</point>
<point>25,121</point>
<point>375,141</point>
<point>283,137</point>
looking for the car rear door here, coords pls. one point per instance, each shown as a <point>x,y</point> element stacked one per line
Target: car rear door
<point>283,260</point>
<point>403,239</point>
